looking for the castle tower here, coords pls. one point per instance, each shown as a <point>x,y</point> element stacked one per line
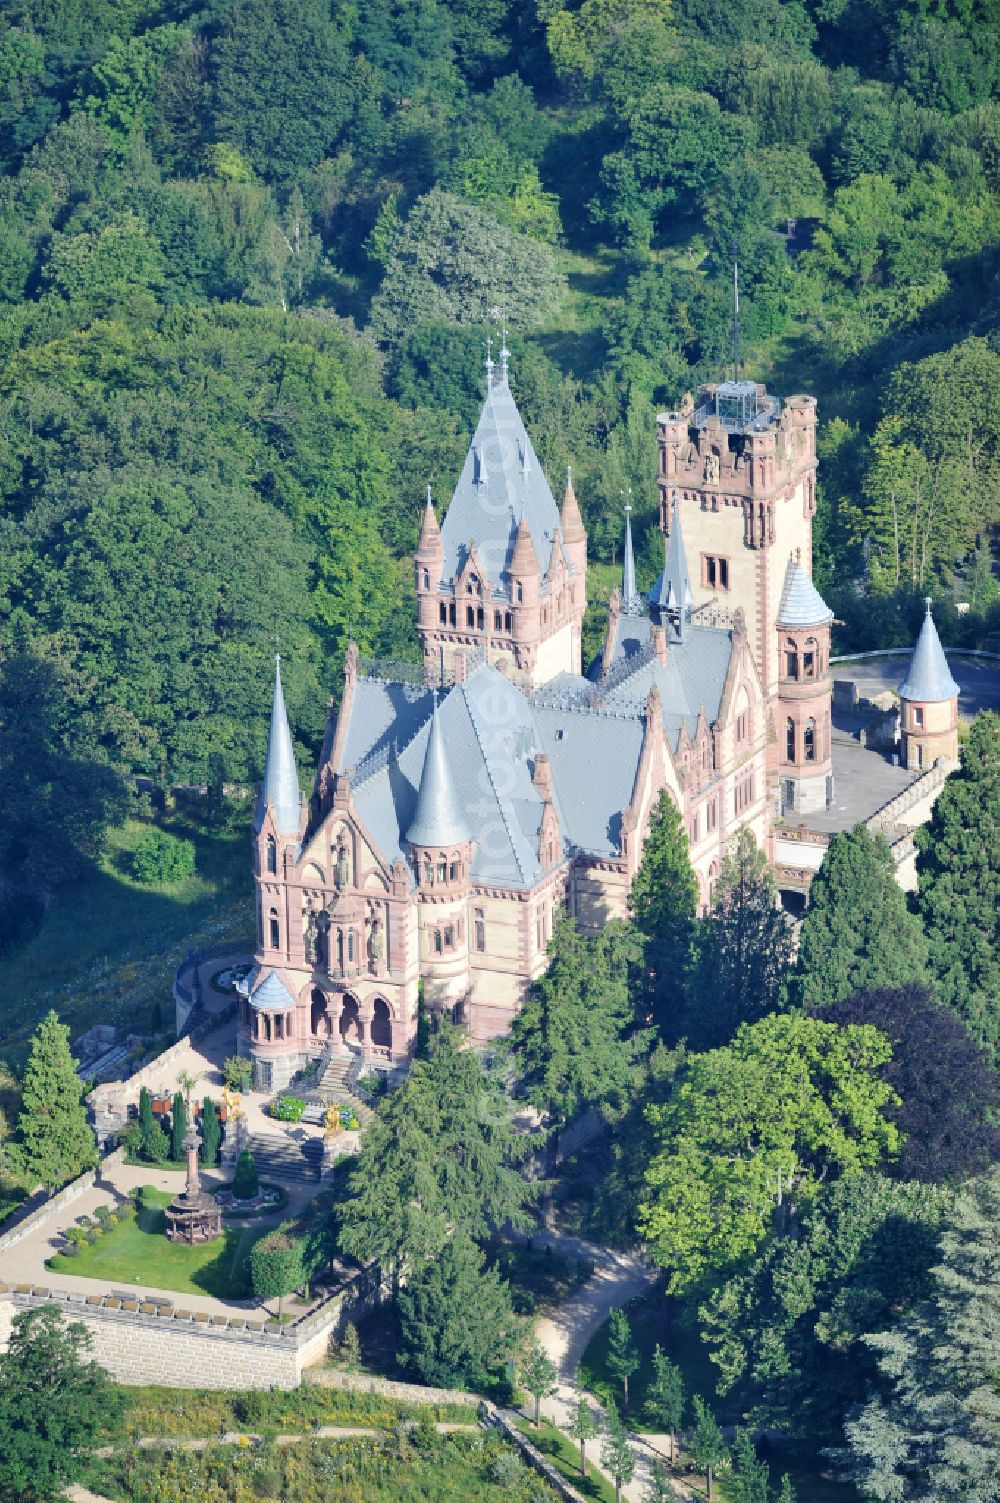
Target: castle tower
<point>928,707</point>
<point>277,828</point>
<point>740,467</point>
<point>505,575</point>
<point>802,713</point>
<point>440,846</point>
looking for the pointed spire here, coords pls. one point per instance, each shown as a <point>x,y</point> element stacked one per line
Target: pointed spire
<point>570,519</point>
<point>523,559</point>
<point>429,546</point>
<point>489,360</point>
<point>280,788</point>
<point>671,594</point>
<point>801,603</point>
<point>437,820</point>
<point>928,678</point>
<point>631,599</point>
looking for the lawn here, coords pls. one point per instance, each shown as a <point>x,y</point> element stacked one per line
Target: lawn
<point>136,1251</point>
<point>565,1455</point>
<point>107,947</point>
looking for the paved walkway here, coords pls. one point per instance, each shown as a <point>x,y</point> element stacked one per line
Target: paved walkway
<point>565,1334</point>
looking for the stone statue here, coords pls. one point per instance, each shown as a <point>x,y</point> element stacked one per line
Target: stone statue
<point>376,944</point>
<point>322,961</point>
<point>343,866</point>
<point>311,936</point>
<point>712,469</point>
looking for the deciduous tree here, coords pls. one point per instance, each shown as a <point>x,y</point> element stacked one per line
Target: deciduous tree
<point>666,1399</point>
<point>706,1442</point>
<point>276,1267</point>
<point>617,1455</point>
<point>537,1372</point>
<point>623,1355</point>
<point>583,1426</point>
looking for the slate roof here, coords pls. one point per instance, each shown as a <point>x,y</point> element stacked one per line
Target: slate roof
<point>280,787</point>
<point>491,733</point>
<point>928,677</point>
<point>272,994</point>
<point>437,819</point>
<point>501,481</point>
<point>801,603</point>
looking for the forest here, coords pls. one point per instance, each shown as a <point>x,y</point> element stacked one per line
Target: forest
<point>250,254</point>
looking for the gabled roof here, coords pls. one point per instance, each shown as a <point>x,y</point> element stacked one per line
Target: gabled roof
<point>272,994</point>
<point>928,677</point>
<point>801,603</point>
<point>501,482</point>
<point>280,787</point>
<point>437,819</point>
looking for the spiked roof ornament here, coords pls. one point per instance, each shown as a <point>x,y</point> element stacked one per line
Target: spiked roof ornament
<point>928,677</point>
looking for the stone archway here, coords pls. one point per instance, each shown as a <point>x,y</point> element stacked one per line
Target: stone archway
<point>319,1017</point>
<point>381,1030</point>
<point>350,1020</point>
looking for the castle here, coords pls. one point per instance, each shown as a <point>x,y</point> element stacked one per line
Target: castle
<point>456,811</point>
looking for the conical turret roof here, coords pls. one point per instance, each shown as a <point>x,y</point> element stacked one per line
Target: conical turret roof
<point>570,518</point>
<point>928,677</point>
<point>280,788</point>
<point>523,559</point>
<point>437,820</point>
<point>502,483</point>
<point>631,599</point>
<point>429,544</point>
<point>801,603</point>
<point>672,590</point>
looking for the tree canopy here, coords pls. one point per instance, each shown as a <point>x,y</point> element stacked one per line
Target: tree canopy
<point>54,1141</point>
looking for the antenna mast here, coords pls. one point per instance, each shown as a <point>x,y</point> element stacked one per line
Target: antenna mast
<point>736,315</point>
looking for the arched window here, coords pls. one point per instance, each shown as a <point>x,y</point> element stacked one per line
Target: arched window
<point>443,613</point>
<point>497,621</point>
<point>470,615</point>
<point>810,740</point>
<point>518,594</point>
<point>340,948</point>
<point>428,872</point>
<point>451,614</point>
<point>275,930</point>
<point>507,621</point>
<point>790,741</point>
<point>480,930</point>
<point>350,946</point>
<point>809,659</point>
<point>437,941</point>
<point>442,870</point>
<point>427,580</point>
<point>453,871</point>
<point>791,660</point>
<point>481,619</point>
<point>272,854</point>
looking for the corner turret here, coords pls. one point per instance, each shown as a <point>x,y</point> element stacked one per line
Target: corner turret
<point>928,698</point>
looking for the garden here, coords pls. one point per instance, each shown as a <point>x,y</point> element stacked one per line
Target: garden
<point>131,1248</point>
<point>406,1465</point>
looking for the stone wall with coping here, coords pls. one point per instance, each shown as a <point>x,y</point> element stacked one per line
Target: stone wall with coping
<point>56,1204</point>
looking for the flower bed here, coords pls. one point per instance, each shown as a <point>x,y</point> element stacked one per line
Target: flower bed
<point>268,1198</point>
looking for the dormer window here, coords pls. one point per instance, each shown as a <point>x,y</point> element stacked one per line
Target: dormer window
<point>519,594</point>
<point>272,855</point>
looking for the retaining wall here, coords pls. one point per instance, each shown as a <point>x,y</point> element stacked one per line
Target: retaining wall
<point>56,1204</point>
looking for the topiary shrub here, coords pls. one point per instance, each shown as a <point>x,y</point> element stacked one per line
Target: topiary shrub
<point>246,1182</point>
<point>160,857</point>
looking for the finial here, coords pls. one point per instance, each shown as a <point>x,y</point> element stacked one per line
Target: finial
<point>569,474</point>
<point>504,352</point>
<point>489,360</point>
<point>928,602</point>
<point>430,503</point>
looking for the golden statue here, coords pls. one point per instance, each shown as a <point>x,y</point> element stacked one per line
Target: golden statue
<point>331,1122</point>
<point>232,1100</point>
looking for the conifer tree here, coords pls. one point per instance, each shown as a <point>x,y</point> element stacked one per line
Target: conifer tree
<point>178,1127</point>
<point>751,1480</point>
<point>456,1319</point>
<point>857,933</point>
<point>665,1397</point>
<point>583,1426</point>
<point>537,1372</point>
<point>958,871</point>
<point>211,1134</point>
<point>707,1443</point>
<point>663,903</point>
<point>153,1142</point>
<point>744,950</point>
<point>934,1432</point>
<point>54,1140</point>
<point>660,1489</point>
<point>617,1454</point>
<point>623,1358</point>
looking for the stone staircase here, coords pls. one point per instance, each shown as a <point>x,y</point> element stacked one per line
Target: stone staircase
<point>282,1160</point>
<point>333,1086</point>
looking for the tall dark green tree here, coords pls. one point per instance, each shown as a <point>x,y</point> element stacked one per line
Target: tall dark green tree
<point>706,1442</point>
<point>665,1398</point>
<point>178,1126</point>
<point>574,1041</point>
<point>442,1154</point>
<point>958,872</point>
<point>54,1141</point>
<point>933,1432</point>
<point>211,1133</point>
<point>54,1406</point>
<point>623,1354</point>
<point>663,903</point>
<point>857,933</point>
<point>744,950</point>
<point>457,1325</point>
